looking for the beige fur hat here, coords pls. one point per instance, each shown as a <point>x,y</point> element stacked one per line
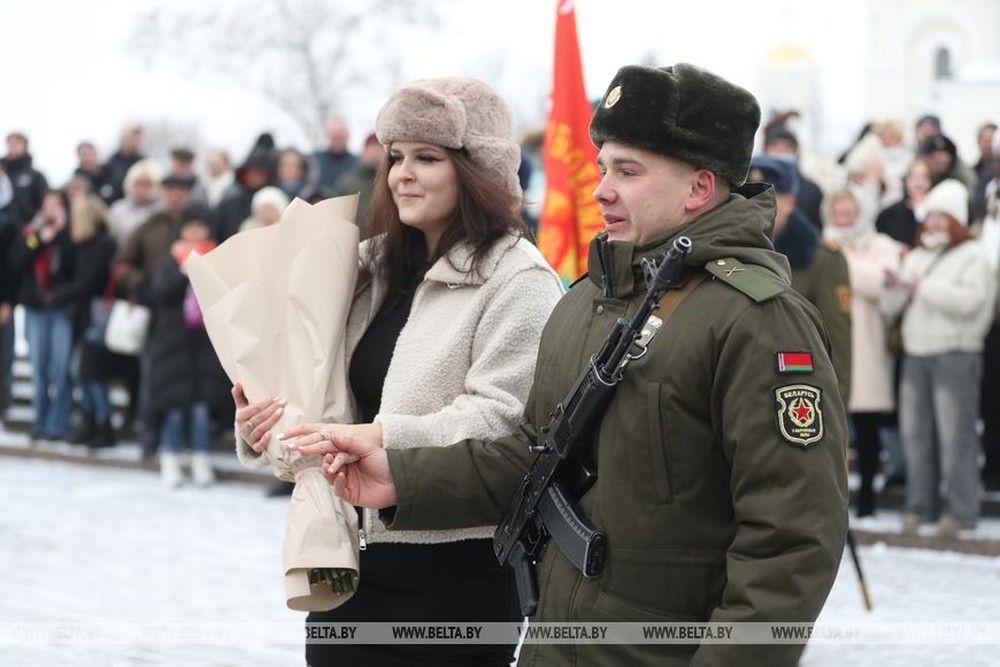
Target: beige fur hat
<point>455,113</point>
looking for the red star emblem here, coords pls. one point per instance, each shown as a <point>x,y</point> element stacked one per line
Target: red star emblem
<point>802,411</point>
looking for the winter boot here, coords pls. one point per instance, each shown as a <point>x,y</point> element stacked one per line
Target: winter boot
<point>170,469</point>
<point>82,431</point>
<point>104,435</point>
<point>201,469</point>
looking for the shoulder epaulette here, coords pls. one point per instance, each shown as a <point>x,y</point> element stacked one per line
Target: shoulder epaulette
<point>756,283</point>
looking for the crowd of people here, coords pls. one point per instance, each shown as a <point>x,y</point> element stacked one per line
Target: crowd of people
<point>123,228</point>
<point>861,311</point>
<point>896,293</point>
<point>905,276</point>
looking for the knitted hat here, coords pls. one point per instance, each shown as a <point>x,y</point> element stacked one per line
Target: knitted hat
<point>777,170</point>
<point>683,112</point>
<point>269,195</point>
<point>455,113</point>
<point>950,197</point>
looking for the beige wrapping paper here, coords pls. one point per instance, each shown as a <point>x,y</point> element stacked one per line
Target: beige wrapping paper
<point>275,302</point>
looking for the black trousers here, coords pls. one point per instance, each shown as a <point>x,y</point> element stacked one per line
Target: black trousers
<point>990,404</point>
<point>424,583</point>
<point>866,427</point>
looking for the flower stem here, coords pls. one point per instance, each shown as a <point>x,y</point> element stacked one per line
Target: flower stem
<point>339,580</point>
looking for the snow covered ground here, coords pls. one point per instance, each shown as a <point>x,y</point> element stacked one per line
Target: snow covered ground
<point>81,545</point>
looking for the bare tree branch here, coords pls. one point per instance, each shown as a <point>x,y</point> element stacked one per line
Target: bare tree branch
<point>303,56</point>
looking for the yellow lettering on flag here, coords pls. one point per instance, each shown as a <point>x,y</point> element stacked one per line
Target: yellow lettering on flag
<point>569,217</point>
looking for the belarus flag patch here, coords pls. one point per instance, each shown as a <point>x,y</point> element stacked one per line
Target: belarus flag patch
<point>795,362</point>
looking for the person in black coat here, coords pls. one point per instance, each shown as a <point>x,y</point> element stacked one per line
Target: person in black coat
<point>9,231</point>
<point>899,220</point>
<point>256,172</point>
<point>91,364</point>
<point>29,184</point>
<point>129,152</point>
<point>188,385</point>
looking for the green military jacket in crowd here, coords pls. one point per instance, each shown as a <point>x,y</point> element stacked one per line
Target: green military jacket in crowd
<point>826,283</point>
<point>721,459</point>
<point>820,274</point>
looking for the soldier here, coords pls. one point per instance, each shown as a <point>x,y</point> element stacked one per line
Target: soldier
<point>819,269</point>
<point>721,483</point>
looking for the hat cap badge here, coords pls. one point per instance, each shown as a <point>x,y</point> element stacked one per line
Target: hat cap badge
<point>614,95</point>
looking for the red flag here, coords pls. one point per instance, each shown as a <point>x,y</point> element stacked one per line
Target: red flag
<point>570,217</point>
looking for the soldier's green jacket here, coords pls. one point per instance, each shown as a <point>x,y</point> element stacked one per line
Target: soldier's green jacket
<point>717,505</point>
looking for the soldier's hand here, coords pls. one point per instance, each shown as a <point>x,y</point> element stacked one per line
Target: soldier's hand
<point>360,474</point>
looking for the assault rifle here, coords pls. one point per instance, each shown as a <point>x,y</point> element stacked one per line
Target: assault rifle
<point>545,503</point>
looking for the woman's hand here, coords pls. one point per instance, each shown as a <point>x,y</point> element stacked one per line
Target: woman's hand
<point>255,421</point>
<point>353,460</point>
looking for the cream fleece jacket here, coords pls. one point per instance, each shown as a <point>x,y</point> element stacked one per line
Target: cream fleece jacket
<point>464,361</point>
<point>951,310</point>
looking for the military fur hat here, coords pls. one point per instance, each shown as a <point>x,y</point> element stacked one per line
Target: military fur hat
<point>455,113</point>
<point>683,112</point>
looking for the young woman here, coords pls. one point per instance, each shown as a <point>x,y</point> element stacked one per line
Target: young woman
<point>441,339</point>
<point>898,220</point>
<point>946,288</point>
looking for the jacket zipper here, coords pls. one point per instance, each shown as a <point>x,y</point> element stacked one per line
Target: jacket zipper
<point>362,538</point>
<point>605,263</point>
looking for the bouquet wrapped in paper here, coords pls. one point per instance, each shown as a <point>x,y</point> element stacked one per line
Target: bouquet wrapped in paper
<point>275,302</point>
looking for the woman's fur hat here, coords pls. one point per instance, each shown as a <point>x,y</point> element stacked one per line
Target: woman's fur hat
<point>950,197</point>
<point>684,112</point>
<point>455,113</point>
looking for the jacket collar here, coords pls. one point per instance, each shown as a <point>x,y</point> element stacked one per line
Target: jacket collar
<point>453,268</point>
<point>737,228</point>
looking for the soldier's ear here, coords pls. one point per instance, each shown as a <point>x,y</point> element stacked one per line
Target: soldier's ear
<point>703,186</point>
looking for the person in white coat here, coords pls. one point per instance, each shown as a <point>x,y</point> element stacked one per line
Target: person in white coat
<point>946,287</point>
<point>869,255</point>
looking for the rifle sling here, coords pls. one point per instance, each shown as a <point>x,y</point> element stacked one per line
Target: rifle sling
<point>674,297</point>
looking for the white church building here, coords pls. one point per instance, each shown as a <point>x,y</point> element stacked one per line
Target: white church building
<point>922,56</point>
<point>940,57</point>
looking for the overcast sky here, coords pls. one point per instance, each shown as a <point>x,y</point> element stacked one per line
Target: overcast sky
<point>67,75</point>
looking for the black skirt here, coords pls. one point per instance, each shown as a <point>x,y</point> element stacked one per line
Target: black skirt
<point>424,583</point>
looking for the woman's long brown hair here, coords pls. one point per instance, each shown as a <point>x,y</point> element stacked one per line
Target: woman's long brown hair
<point>486,211</point>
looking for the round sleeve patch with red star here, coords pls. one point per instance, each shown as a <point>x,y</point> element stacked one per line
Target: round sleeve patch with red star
<point>799,412</point>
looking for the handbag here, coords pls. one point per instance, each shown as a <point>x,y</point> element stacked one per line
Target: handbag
<point>128,326</point>
<point>120,324</point>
